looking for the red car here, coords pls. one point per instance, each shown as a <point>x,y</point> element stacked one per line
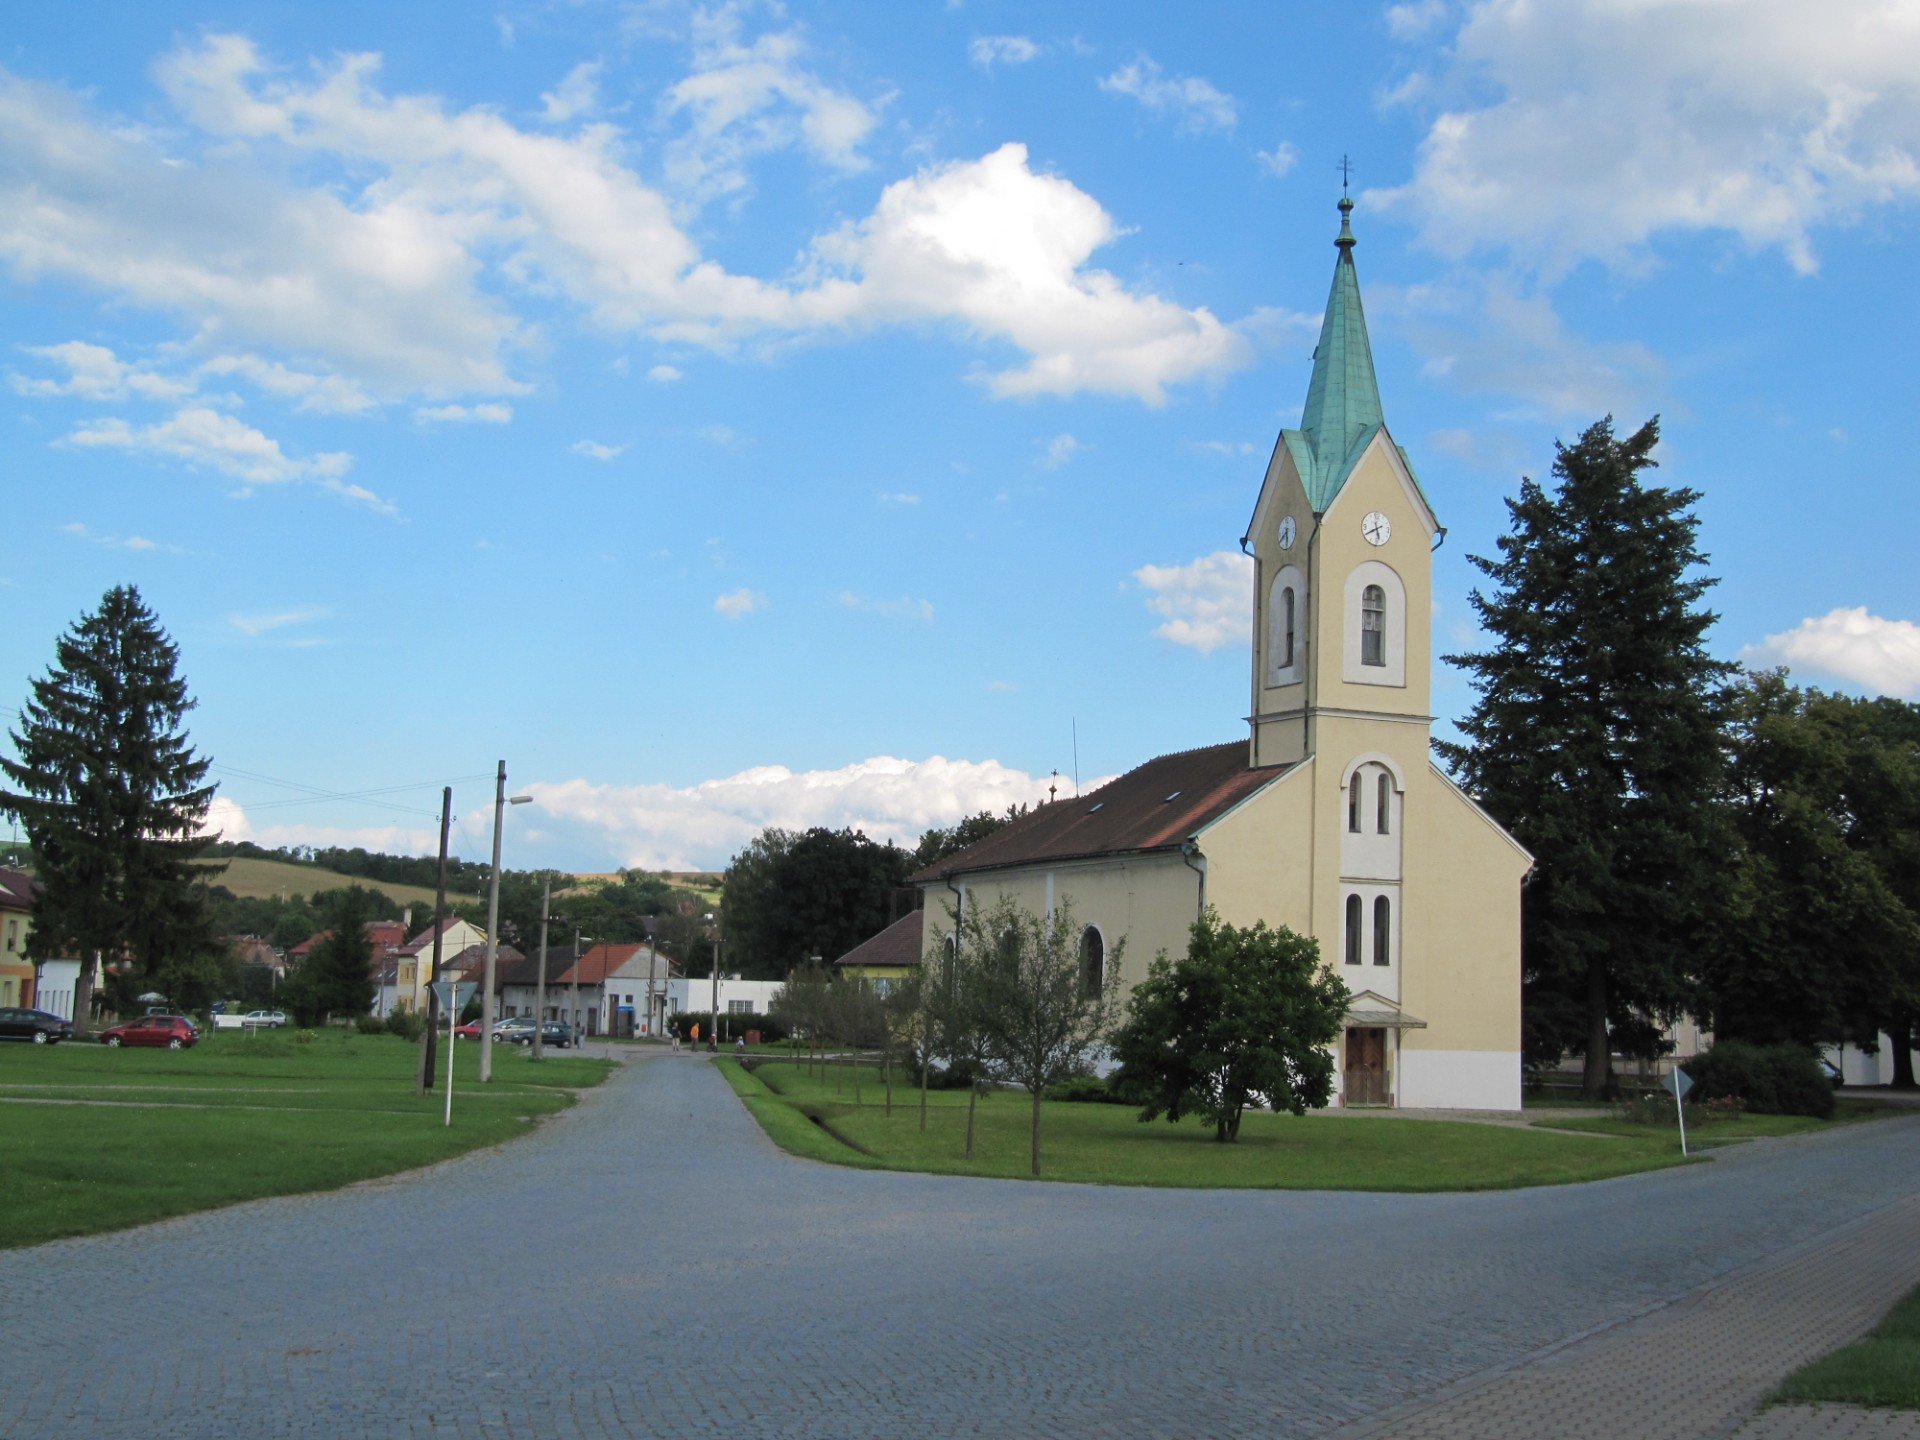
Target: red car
<point>176,1032</point>
<point>469,1031</point>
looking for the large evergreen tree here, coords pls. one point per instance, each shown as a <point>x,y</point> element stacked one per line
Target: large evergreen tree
<point>341,966</point>
<point>1595,741</point>
<point>112,797</point>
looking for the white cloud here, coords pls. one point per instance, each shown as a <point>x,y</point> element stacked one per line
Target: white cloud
<point>95,373</point>
<point>898,497</point>
<point>322,393</point>
<point>260,624</point>
<point>1000,248</point>
<point>578,93</point>
<point>1059,450</point>
<point>701,826</point>
<point>1203,604</point>
<point>1194,104</point>
<point>747,98</point>
<point>1416,19</point>
<point>1002,687</point>
<point>989,50</point>
<point>1486,336</point>
<point>737,603</point>
<point>1231,448</point>
<point>210,440</point>
<point>725,436</point>
<point>1279,160</point>
<point>136,543</point>
<point>464,414</point>
<point>1588,128</point>
<point>663,374</point>
<point>905,608</point>
<point>594,450</point>
<point>387,237</point>
<point>1848,644</point>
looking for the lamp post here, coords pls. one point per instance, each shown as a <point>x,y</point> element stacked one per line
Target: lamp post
<point>540,975</point>
<point>500,803</point>
<point>713,1006</point>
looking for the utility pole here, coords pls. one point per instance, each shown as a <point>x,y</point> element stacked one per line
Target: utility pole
<point>428,1040</point>
<point>540,980</point>
<point>500,803</point>
<point>577,957</point>
<point>653,959</point>
<point>713,1013</point>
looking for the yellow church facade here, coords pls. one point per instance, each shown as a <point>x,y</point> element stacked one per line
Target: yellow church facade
<point>1329,817</point>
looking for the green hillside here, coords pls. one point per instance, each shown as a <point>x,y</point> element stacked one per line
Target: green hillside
<point>248,876</point>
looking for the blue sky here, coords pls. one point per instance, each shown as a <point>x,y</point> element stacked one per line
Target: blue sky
<point>749,414</point>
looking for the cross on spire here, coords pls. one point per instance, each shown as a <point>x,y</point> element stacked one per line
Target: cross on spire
<point>1346,174</point>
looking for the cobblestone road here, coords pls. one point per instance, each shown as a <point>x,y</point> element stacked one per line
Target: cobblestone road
<point>649,1265</point>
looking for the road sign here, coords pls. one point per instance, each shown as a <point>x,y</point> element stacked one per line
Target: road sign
<point>1677,1083</point>
<point>454,994</point>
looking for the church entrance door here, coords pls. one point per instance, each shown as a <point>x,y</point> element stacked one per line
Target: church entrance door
<point>1366,1075</point>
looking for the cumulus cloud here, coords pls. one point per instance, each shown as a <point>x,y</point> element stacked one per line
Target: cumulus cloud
<point>94,372</point>
<point>135,543</point>
<point>253,626</point>
<point>210,440</point>
<point>1416,19</point>
<point>399,264</point>
<point>1279,160</point>
<point>323,393</point>
<point>738,603</point>
<point>701,826</point>
<point>1588,128</point>
<point>905,608</point>
<point>464,414</point>
<point>989,50</point>
<point>1228,448</point>
<point>663,374</point>
<point>578,93</point>
<point>594,450</point>
<point>1193,103</point>
<point>1203,604</point>
<point>1848,644</point>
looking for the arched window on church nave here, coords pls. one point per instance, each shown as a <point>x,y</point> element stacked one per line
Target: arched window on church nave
<point>1382,930</point>
<point>1356,915</point>
<point>1353,802</point>
<point>1373,626</point>
<point>1093,961</point>
<point>1383,805</point>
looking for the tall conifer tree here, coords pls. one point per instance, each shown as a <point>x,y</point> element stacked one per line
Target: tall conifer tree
<point>1595,741</point>
<point>112,796</point>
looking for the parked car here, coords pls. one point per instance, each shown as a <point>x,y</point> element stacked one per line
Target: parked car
<point>36,1026</point>
<point>554,1032</point>
<point>271,1019</point>
<point>515,1030</point>
<point>176,1032</point>
<point>471,1030</point>
<point>1834,1075</point>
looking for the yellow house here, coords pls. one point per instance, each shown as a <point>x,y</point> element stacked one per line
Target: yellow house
<point>884,960</point>
<point>16,919</point>
<point>1329,817</point>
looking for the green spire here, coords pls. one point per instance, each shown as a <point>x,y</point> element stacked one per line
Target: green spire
<point>1343,398</point>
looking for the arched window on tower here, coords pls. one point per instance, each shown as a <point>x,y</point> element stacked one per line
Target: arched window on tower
<point>1373,626</point>
<point>1093,961</point>
<point>1287,618</point>
<point>1353,803</point>
<point>1382,930</point>
<point>1383,807</point>
<point>1355,915</point>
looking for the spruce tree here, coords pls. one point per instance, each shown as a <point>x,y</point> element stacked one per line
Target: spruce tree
<point>112,797</point>
<point>1595,741</point>
<point>341,966</point>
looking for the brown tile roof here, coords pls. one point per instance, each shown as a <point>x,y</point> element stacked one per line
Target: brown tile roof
<point>384,935</point>
<point>526,969</point>
<point>1155,806</point>
<point>598,963</point>
<point>898,944</point>
<point>18,890</point>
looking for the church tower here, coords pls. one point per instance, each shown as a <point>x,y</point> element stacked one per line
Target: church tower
<point>1341,540</point>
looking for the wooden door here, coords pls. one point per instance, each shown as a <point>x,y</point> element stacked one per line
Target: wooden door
<point>1366,1074</point>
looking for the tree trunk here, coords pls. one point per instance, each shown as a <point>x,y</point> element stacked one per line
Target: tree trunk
<point>886,1076</point>
<point>1900,1033</point>
<point>83,1000</point>
<point>1596,1081</point>
<point>856,1079</point>
<point>1036,1134</point>
<point>925,1060</point>
<point>973,1098</point>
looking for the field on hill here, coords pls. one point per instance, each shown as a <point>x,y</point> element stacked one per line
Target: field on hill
<point>262,879</point>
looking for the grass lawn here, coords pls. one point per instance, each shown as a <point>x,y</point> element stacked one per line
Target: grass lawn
<point>1883,1369</point>
<point>239,1117</point>
<point>1703,1134</point>
<point>1107,1144</point>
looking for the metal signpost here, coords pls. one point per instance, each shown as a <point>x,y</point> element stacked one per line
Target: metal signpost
<point>453,996</point>
<point>1677,1084</point>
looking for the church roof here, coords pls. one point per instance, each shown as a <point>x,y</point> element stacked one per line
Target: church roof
<point>1157,806</point>
<point>1342,413</point>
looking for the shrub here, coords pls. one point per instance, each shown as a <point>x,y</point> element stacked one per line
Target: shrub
<point>305,1037</point>
<point>367,1025</point>
<point>1770,1079</point>
<point>960,1075</point>
<point>1086,1090</point>
<point>731,1026</point>
<point>407,1024</point>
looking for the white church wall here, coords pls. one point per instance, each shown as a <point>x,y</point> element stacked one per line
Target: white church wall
<point>1459,1079</point>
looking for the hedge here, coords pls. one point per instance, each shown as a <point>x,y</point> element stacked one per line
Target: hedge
<point>1772,1079</point>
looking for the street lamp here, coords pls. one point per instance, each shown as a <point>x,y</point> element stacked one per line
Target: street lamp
<point>713,1011</point>
<point>500,803</point>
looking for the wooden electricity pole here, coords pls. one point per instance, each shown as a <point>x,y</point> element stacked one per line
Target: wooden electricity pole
<point>429,1041</point>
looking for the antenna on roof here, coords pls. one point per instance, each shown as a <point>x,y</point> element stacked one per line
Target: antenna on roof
<point>1076,757</point>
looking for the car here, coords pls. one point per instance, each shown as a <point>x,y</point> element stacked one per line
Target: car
<point>271,1019</point>
<point>1834,1075</point>
<point>471,1030</point>
<point>35,1026</point>
<point>556,1033</point>
<point>176,1032</point>
<point>515,1030</point>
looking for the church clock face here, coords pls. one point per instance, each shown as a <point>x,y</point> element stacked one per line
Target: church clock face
<point>1377,528</point>
<point>1286,533</point>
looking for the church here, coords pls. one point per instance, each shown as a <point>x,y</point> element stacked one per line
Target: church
<point>1328,816</point>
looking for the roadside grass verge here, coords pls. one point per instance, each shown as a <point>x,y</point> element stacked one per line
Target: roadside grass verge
<point>816,1116</point>
<point>1704,1134</point>
<point>1883,1369</point>
<point>235,1119</point>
